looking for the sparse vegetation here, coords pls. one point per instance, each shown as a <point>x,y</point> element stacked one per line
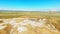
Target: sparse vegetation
<point>53,18</point>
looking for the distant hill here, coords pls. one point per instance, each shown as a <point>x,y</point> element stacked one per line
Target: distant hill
<point>25,11</point>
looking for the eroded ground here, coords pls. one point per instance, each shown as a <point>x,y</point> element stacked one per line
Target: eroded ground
<point>27,25</point>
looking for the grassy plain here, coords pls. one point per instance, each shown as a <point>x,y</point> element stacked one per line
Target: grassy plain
<point>29,14</point>
<point>53,17</point>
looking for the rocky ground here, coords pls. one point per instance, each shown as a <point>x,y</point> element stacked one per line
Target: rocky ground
<point>28,26</point>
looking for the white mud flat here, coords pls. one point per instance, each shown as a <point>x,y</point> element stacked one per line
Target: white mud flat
<point>27,26</point>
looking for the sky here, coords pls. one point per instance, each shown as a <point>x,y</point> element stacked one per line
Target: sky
<point>30,5</point>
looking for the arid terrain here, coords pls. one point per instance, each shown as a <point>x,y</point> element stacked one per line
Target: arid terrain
<point>29,22</point>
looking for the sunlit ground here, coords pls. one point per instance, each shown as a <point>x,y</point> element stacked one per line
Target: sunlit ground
<point>29,23</point>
